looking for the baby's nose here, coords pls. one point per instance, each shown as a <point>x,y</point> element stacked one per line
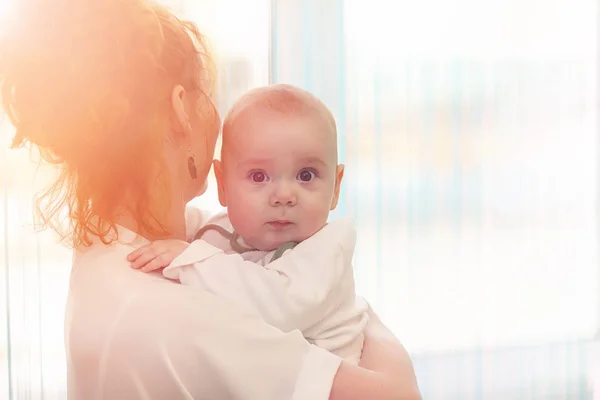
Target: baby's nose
<point>283,195</point>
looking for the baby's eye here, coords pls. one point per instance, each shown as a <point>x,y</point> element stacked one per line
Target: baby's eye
<point>258,177</point>
<point>306,175</point>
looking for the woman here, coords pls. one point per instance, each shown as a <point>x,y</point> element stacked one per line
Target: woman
<point>116,93</point>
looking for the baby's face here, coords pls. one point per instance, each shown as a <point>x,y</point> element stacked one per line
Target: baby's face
<point>279,179</point>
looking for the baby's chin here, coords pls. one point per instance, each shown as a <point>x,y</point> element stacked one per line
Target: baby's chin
<point>272,245</point>
<point>270,241</point>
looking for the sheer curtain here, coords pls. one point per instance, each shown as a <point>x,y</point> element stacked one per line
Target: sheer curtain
<point>473,142</point>
<point>34,279</point>
<point>469,133</point>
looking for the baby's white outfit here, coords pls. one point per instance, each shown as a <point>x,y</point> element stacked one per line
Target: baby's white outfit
<point>317,298</point>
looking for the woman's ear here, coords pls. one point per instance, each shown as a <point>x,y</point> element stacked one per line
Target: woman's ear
<point>218,168</point>
<point>339,175</point>
<point>181,122</point>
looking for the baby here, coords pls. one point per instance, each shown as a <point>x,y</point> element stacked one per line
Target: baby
<point>278,177</point>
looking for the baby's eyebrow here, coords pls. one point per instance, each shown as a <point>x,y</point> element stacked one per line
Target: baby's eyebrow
<point>313,160</point>
<point>262,162</point>
<point>253,162</point>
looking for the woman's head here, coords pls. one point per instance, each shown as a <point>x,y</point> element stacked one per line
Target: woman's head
<point>117,94</point>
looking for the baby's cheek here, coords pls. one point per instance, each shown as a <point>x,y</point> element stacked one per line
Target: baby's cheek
<point>238,217</point>
<point>317,220</point>
<point>243,218</point>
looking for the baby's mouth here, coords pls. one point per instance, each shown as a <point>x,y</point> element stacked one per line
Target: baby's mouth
<point>280,224</point>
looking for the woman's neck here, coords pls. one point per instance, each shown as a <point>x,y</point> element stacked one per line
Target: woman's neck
<point>176,231</point>
<point>171,219</point>
<point>173,222</point>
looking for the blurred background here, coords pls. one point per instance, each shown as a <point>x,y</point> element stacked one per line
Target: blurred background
<point>469,130</point>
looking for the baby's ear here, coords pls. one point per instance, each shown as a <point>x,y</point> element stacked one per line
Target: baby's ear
<point>218,168</point>
<point>339,175</point>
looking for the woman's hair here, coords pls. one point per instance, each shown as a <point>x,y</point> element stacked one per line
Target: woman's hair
<point>89,83</point>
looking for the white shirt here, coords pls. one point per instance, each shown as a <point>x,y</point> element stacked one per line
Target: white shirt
<point>131,335</point>
<point>316,296</point>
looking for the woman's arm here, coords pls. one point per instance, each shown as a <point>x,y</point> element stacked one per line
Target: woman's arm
<point>385,370</point>
<point>383,352</point>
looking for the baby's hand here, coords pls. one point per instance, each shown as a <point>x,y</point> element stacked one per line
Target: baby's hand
<point>156,255</point>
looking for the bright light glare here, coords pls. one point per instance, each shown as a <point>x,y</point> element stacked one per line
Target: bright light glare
<point>489,29</point>
<point>238,33</point>
<point>5,7</point>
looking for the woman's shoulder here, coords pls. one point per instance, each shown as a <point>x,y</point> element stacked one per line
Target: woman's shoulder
<point>104,288</point>
<point>109,299</point>
<point>110,304</point>
<point>122,323</point>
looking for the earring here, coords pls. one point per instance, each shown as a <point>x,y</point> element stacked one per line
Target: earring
<point>192,165</point>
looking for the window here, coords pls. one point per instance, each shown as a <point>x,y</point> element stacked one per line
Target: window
<point>471,134</point>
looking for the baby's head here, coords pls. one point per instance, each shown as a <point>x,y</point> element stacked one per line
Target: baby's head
<point>278,175</point>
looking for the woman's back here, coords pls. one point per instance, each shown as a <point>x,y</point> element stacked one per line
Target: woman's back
<point>149,337</point>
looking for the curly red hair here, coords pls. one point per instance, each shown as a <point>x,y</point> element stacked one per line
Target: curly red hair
<point>89,83</point>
